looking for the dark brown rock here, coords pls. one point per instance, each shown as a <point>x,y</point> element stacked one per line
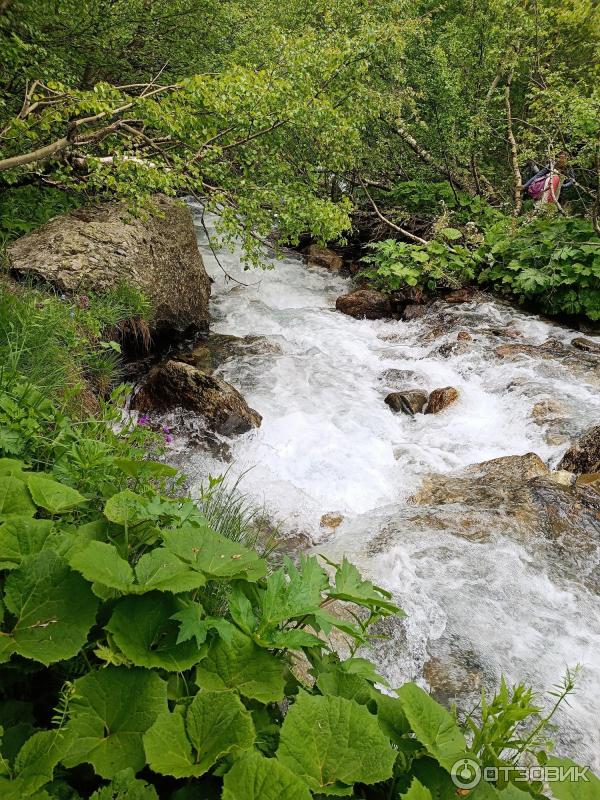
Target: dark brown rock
<point>96,248</point>
<point>584,453</point>
<point>413,311</point>
<point>411,402</point>
<point>365,304</point>
<point>587,345</point>
<point>175,384</point>
<point>323,257</point>
<point>440,399</point>
<point>460,295</point>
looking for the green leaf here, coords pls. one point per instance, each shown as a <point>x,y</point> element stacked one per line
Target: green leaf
<point>344,684</point>
<point>54,606</point>
<point>124,786</point>
<point>12,466</point>
<point>351,587</point>
<point>189,744</point>
<point>255,777</point>
<point>433,725</point>
<point>391,717</point>
<point>126,508</point>
<point>34,764</point>
<point>240,664</point>
<point>22,536</point>
<point>144,631</point>
<point>14,498</point>
<point>109,713</point>
<point>417,791</point>
<point>573,786</point>
<point>53,496</point>
<point>214,555</point>
<point>100,562</point>
<point>160,569</point>
<point>332,743</point>
<point>452,234</point>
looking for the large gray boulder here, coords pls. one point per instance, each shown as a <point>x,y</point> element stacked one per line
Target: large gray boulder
<point>96,248</point>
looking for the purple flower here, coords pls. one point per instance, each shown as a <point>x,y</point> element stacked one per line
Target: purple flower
<point>166,429</point>
<point>169,439</point>
<point>144,419</point>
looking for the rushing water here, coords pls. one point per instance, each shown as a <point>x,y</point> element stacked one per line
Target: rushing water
<point>485,604</point>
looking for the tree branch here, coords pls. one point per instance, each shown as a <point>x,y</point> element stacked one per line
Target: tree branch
<point>405,233</point>
<point>514,152</point>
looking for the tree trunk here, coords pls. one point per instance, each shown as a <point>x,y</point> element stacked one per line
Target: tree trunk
<point>514,153</point>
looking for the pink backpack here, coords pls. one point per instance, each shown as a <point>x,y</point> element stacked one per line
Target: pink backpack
<point>536,187</point>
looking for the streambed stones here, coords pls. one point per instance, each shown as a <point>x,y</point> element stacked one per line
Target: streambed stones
<point>412,401</point>
<point>440,399</point>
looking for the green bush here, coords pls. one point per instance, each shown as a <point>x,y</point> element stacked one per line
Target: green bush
<point>26,208</point>
<point>119,678</point>
<point>426,201</point>
<point>552,261</point>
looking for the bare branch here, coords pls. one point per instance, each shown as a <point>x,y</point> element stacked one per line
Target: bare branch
<point>405,233</point>
<point>514,152</point>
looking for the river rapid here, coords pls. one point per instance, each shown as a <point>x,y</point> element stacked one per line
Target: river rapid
<point>485,590</point>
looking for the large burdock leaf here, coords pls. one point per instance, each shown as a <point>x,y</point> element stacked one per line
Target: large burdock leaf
<point>332,743</point>
<point>144,631</point>
<point>53,496</point>
<point>14,497</point>
<point>255,777</point>
<point>240,664</point>
<point>214,555</point>
<point>22,536</point>
<point>101,563</point>
<point>54,607</point>
<point>34,764</point>
<point>570,783</point>
<point>109,713</point>
<point>433,725</point>
<point>189,744</point>
<point>416,792</point>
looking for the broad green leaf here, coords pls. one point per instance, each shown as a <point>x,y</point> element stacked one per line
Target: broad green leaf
<point>124,786</point>
<point>391,717</point>
<point>194,625</point>
<point>417,791</point>
<point>255,777</point>
<point>12,466</point>
<point>344,684</point>
<point>144,631</point>
<point>54,607</point>
<point>53,496</point>
<point>435,778</point>
<point>22,536</point>
<point>332,743</point>
<point>451,233</point>
<point>573,786</point>
<point>109,713</point>
<point>240,664</point>
<point>34,764</point>
<point>433,725</point>
<point>100,562</point>
<point>189,744</point>
<point>14,498</point>
<point>214,555</point>
<point>126,508</point>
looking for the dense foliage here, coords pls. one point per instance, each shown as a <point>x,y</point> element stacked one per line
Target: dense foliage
<point>143,654</point>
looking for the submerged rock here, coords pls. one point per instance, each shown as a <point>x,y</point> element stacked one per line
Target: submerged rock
<point>411,402</point>
<point>365,304</point>
<point>587,345</point>
<point>463,336</point>
<point>97,248</point>
<point>440,399</point>
<point>413,311</point>
<point>218,348</point>
<point>584,454</point>
<point>331,520</point>
<point>176,384</point>
<point>464,295</point>
<point>323,257</point>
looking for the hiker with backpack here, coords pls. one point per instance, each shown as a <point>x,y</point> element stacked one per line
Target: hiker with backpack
<point>546,185</point>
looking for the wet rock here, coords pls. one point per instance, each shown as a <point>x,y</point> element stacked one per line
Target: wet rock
<point>218,348</point>
<point>412,295</point>
<point>397,376</point>
<point>411,402</point>
<point>440,399</point>
<point>413,311</point>
<point>463,336</point>
<point>465,295</point>
<point>323,257</point>
<point>97,248</point>
<point>589,479</point>
<point>331,520</point>
<point>584,454</point>
<point>365,304</point>
<point>547,410</point>
<point>587,345</point>
<point>176,384</point>
<point>450,678</point>
<point>562,477</point>
<point>511,468</point>
<point>452,349</point>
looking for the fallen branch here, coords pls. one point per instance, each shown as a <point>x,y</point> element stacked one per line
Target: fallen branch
<point>387,221</point>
